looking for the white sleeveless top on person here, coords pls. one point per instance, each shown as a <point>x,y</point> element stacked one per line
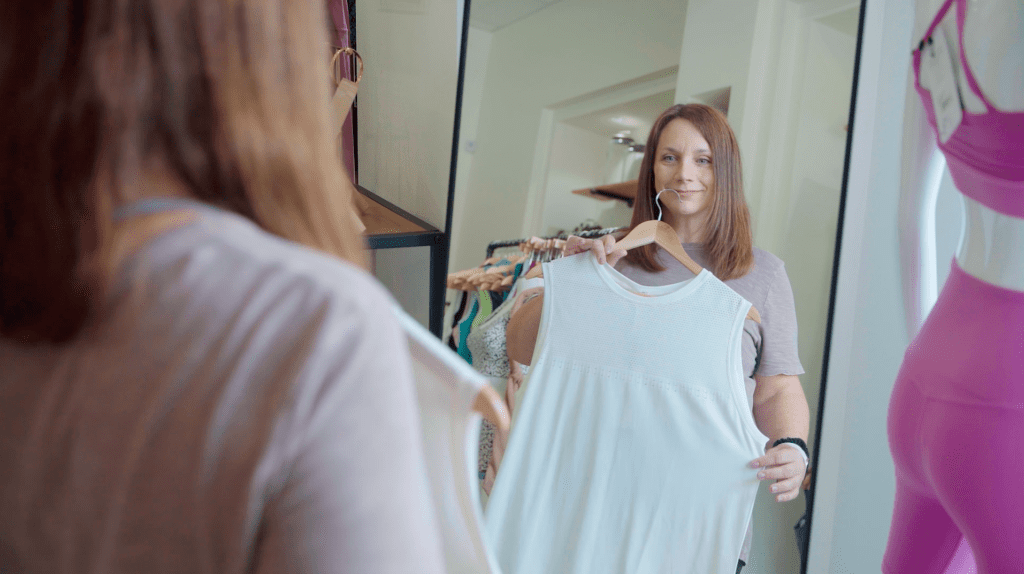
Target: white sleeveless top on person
<point>245,405</point>
<point>446,387</point>
<point>632,434</point>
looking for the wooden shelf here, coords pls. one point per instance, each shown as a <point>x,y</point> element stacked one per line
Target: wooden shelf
<point>625,191</point>
<point>381,218</point>
<point>390,227</point>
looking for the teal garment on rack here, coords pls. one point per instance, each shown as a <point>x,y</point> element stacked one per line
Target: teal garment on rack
<point>486,307</point>
<point>464,329</point>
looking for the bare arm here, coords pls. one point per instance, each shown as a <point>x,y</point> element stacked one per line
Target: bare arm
<point>521,333</point>
<point>781,411</point>
<point>922,168</point>
<point>780,407</point>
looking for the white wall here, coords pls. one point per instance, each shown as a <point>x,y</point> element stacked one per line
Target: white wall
<point>715,53</point>
<point>405,271</point>
<point>406,115</point>
<point>478,51</point>
<point>795,175</point>
<point>407,102</point>
<point>578,160</point>
<point>567,50</point>
<point>805,229</point>
<point>855,481</point>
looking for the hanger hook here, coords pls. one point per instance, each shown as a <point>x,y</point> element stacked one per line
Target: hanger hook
<point>659,195</point>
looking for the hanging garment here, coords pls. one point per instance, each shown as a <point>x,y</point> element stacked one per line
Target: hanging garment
<point>985,152</point>
<point>487,347</point>
<point>340,16</point>
<point>632,436</point>
<point>456,302</point>
<point>485,310</point>
<point>464,309</point>
<point>486,344</point>
<point>464,325</point>
<point>445,388</point>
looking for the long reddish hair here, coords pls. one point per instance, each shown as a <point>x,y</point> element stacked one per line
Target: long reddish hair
<point>728,240</point>
<point>232,96</point>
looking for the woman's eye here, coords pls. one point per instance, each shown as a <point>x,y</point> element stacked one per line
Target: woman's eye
<point>704,160</point>
<point>668,158</point>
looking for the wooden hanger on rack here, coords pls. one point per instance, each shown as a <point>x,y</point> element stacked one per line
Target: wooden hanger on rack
<point>492,279</point>
<point>661,234</point>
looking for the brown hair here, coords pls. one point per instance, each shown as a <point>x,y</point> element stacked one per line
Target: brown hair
<point>728,241</point>
<point>232,96</point>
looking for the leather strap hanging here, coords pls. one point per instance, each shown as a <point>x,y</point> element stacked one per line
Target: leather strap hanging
<point>345,91</point>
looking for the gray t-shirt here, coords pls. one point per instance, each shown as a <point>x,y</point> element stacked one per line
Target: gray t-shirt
<point>769,348</point>
<point>246,405</point>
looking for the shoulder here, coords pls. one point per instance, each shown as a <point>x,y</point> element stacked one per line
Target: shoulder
<point>244,276</point>
<point>768,263</point>
<point>765,277</point>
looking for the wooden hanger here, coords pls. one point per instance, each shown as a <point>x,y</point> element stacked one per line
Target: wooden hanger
<point>661,234</point>
<point>491,406</point>
<point>492,279</point>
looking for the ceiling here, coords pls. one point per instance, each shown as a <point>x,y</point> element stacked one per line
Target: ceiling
<point>490,15</point>
<point>636,116</point>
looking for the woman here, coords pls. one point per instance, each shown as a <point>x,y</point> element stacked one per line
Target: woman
<point>197,375</point>
<point>693,151</point>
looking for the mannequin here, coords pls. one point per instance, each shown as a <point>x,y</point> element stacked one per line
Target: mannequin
<point>958,403</point>
<point>994,46</point>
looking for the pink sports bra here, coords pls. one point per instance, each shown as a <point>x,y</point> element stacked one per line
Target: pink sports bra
<point>985,154</point>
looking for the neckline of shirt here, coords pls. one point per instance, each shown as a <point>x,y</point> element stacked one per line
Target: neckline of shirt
<point>629,289</point>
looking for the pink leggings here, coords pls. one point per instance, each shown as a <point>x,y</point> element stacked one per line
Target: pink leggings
<point>956,432</point>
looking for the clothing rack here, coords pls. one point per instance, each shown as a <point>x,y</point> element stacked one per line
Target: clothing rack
<point>492,246</point>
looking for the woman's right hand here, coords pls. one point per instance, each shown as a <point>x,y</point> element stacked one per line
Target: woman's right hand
<point>601,248</point>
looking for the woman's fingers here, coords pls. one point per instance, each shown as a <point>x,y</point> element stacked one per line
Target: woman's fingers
<point>598,248</point>
<point>783,472</point>
<point>787,495</point>
<point>575,244</point>
<point>777,456</point>
<point>787,486</point>
<point>615,256</point>
<point>602,248</point>
<point>788,478</point>
<point>786,467</point>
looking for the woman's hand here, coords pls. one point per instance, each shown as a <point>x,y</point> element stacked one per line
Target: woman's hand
<point>601,247</point>
<point>785,465</point>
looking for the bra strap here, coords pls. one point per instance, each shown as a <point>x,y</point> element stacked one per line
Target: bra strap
<point>935,23</point>
<point>961,16</point>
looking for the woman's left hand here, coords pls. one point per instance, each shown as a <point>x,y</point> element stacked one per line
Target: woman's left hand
<point>786,467</point>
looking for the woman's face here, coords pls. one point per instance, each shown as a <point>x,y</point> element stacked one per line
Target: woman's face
<point>683,163</point>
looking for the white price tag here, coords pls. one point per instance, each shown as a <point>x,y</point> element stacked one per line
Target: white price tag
<point>939,78</point>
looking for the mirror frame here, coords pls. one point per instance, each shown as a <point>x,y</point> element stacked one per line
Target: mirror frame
<point>446,236</point>
<point>830,314</point>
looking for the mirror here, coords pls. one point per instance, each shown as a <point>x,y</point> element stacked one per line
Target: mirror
<point>559,96</point>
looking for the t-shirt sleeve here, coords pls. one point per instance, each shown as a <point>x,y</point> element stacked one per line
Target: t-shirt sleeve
<point>354,496</point>
<point>779,349</point>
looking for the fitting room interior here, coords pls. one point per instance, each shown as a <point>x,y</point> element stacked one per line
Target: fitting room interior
<point>474,134</point>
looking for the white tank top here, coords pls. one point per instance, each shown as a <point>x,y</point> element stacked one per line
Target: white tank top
<point>632,434</point>
<point>446,387</point>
